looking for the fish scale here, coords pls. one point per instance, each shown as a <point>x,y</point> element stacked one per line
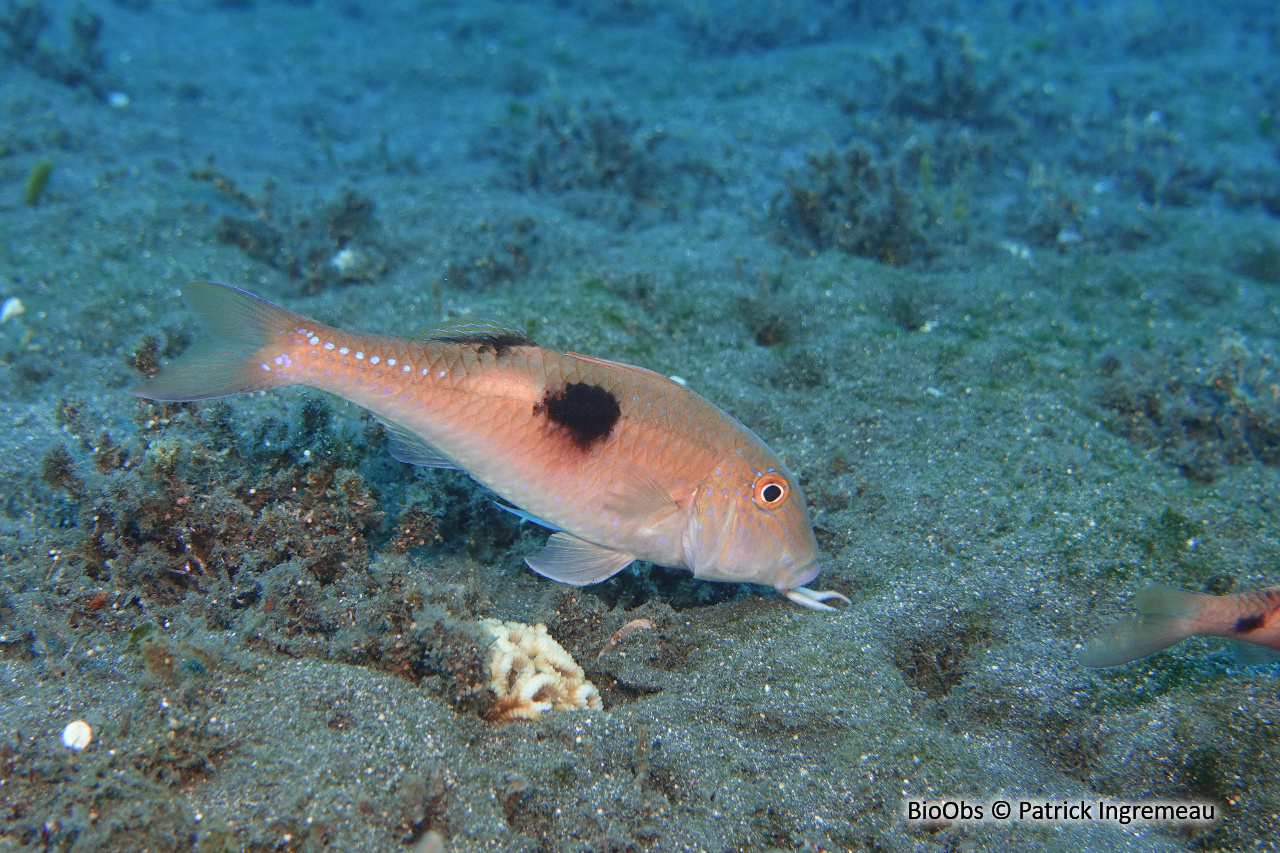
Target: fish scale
<point>621,462</point>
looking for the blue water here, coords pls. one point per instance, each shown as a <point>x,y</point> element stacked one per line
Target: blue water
<point>1000,282</point>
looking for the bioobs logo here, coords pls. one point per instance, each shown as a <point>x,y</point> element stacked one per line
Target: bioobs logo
<point>943,811</point>
<point>1080,810</point>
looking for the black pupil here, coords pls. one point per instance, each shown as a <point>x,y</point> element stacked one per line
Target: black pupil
<point>771,493</point>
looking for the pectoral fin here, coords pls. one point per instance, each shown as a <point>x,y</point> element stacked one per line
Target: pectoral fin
<point>636,495</point>
<point>575,561</point>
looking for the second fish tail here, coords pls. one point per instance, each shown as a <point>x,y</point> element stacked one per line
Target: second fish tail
<point>1165,616</point>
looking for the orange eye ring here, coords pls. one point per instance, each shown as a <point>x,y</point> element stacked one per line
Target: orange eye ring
<point>771,491</point>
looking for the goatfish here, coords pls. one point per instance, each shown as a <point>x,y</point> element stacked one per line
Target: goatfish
<point>1250,620</point>
<point>622,463</point>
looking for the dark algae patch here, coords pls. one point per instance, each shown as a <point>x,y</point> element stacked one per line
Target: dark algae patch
<point>1198,411</point>
<point>330,244</point>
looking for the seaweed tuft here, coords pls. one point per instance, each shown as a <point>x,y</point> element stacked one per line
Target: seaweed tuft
<point>1198,413</point>
<point>597,161</point>
<point>851,202</point>
<point>325,246</point>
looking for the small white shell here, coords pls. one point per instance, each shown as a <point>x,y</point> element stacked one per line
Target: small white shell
<point>12,308</point>
<point>77,735</point>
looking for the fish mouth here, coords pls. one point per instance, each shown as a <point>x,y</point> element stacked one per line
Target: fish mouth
<point>802,576</point>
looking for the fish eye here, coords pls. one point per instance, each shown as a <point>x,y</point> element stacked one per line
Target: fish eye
<point>771,490</point>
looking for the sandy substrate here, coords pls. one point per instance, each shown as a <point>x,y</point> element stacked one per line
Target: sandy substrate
<point>1001,283</point>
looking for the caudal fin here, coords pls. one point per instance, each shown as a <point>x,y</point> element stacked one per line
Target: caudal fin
<point>1165,616</point>
<point>229,360</point>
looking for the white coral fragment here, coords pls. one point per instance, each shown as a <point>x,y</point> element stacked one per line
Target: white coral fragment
<point>529,673</point>
<point>12,308</point>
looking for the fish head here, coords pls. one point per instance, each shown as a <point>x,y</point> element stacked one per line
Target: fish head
<point>750,524</point>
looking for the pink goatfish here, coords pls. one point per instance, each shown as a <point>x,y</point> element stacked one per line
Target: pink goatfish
<point>1251,620</point>
<point>622,463</point>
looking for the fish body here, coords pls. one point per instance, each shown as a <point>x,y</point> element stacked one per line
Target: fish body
<point>1167,615</point>
<point>623,463</point>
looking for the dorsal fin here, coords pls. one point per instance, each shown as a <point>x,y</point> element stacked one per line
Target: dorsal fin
<point>490,333</point>
<point>621,365</point>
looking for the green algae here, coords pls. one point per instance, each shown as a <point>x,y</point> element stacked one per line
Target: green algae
<point>37,180</point>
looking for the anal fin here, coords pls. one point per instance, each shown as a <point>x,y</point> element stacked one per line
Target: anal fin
<point>525,516</point>
<point>1251,654</point>
<point>577,562</point>
<point>412,449</point>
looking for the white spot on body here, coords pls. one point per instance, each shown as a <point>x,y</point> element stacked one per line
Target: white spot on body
<point>266,367</point>
<point>391,362</point>
<point>359,356</point>
<point>314,341</point>
<point>329,345</point>
<point>343,350</point>
<point>373,359</point>
<point>407,368</point>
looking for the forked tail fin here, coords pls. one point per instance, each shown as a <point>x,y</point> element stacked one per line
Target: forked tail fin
<point>1165,616</point>
<point>229,360</point>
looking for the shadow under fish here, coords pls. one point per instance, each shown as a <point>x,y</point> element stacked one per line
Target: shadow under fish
<point>1250,621</point>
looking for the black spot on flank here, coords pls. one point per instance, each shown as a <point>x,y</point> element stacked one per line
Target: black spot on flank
<point>587,411</point>
<point>1245,624</point>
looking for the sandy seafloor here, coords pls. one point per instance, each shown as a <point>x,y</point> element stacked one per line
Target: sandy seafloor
<point>1000,281</point>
